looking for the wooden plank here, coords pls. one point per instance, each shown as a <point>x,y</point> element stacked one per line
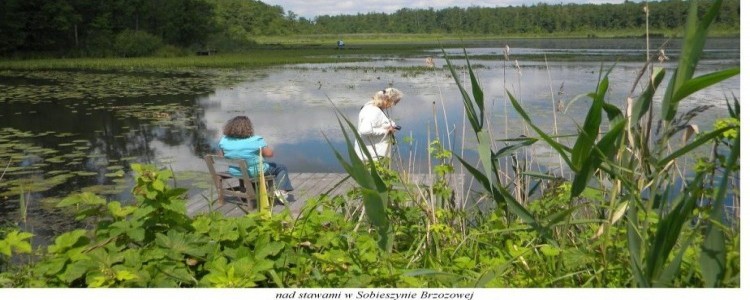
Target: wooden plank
<point>323,184</point>
<point>302,184</point>
<point>308,185</point>
<point>343,187</point>
<point>197,205</point>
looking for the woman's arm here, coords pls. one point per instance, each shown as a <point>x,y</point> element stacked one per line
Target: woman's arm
<point>374,122</point>
<point>266,151</point>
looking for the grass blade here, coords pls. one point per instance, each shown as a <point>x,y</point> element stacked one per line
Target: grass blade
<point>694,144</point>
<point>714,253</point>
<point>604,149</point>
<point>583,145</point>
<point>555,145</point>
<point>695,40</point>
<point>669,229</point>
<point>702,82</point>
<point>643,104</point>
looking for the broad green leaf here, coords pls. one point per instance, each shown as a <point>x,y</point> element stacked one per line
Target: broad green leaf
<point>68,240</point>
<point>85,198</point>
<point>269,249</point>
<point>116,209</point>
<point>15,240</point>
<point>124,275</point>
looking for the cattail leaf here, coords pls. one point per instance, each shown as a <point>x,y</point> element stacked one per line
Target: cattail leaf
<point>507,150</point>
<point>483,180</point>
<point>485,153</point>
<point>702,139</point>
<point>669,228</point>
<point>635,246</point>
<point>671,271</point>
<point>476,90</point>
<point>471,112</point>
<point>503,197</point>
<point>714,252</point>
<point>540,175</point>
<point>589,132</point>
<point>692,49</point>
<point>614,113</point>
<point>702,82</point>
<point>558,217</point>
<point>561,149</point>
<point>644,102</point>
<point>488,276</point>
<point>604,149</point>
<point>374,190</point>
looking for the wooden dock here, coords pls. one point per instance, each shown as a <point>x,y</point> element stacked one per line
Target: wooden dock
<point>306,186</point>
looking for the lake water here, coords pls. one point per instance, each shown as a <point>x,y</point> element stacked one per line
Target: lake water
<point>63,130</point>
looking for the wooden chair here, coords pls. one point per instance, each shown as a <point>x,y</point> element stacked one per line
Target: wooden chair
<point>223,180</point>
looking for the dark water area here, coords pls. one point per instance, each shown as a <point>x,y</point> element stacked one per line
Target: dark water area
<point>65,131</point>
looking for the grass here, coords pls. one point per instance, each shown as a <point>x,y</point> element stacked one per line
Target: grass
<point>437,39</point>
<point>253,59</point>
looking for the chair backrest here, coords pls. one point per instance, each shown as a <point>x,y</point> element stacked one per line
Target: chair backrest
<point>214,162</point>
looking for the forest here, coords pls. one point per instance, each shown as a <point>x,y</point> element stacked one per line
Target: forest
<point>88,28</point>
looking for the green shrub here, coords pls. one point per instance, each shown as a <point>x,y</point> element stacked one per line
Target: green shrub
<point>170,51</point>
<point>131,43</point>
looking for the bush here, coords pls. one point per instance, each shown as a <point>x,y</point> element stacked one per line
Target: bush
<point>170,51</point>
<point>131,43</point>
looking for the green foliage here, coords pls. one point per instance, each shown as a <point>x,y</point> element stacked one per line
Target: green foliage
<point>637,165</point>
<point>537,19</point>
<point>131,43</point>
<point>87,28</point>
<point>627,218</point>
<point>15,241</point>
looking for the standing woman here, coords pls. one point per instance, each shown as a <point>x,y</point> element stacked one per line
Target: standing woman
<point>240,142</point>
<point>375,127</point>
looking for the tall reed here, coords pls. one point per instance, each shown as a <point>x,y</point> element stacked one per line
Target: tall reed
<point>625,160</point>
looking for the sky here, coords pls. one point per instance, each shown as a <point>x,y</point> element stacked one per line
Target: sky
<point>311,8</point>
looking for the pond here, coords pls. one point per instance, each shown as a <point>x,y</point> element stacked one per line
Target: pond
<point>63,131</point>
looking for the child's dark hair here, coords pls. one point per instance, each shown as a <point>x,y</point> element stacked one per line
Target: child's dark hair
<point>239,127</point>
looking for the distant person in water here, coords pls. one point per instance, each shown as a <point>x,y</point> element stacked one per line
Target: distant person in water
<point>240,142</point>
<point>375,127</point>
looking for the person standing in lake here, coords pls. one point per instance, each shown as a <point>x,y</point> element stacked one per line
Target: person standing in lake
<point>375,127</point>
<point>240,142</point>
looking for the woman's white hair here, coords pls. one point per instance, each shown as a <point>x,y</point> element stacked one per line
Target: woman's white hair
<point>387,97</point>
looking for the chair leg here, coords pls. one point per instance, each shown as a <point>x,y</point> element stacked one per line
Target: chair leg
<point>220,186</point>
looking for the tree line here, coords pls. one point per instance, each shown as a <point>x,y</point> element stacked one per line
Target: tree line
<point>535,19</point>
<point>169,27</point>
